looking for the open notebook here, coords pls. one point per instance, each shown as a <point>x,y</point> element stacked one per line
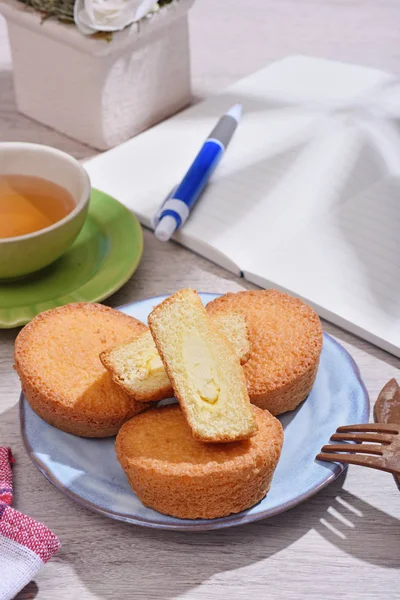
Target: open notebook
<point>307,197</point>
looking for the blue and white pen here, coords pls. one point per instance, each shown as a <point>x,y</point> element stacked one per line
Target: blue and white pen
<point>176,208</point>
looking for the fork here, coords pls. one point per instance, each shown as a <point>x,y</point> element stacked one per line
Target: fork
<point>376,445</point>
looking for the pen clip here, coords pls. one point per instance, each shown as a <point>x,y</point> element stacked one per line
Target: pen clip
<point>156,217</point>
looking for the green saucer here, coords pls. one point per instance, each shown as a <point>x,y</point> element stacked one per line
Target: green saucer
<point>103,257</point>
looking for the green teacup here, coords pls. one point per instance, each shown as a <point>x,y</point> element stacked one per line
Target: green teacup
<point>28,253</point>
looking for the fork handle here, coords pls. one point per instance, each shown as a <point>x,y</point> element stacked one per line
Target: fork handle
<point>362,461</point>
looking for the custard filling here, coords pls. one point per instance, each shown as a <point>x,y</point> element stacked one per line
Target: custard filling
<point>201,366</point>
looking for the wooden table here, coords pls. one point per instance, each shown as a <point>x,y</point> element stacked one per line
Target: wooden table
<point>344,542</point>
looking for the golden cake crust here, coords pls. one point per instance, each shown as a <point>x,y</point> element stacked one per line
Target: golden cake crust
<point>57,359</point>
<point>286,343</point>
<point>173,473</point>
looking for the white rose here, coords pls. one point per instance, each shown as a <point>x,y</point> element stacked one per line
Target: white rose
<point>109,15</point>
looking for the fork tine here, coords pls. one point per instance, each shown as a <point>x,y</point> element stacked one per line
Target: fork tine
<point>376,438</point>
<point>370,428</point>
<point>363,461</point>
<point>353,448</point>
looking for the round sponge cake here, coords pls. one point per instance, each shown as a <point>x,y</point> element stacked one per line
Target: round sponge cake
<point>173,473</point>
<point>286,342</point>
<point>57,359</point>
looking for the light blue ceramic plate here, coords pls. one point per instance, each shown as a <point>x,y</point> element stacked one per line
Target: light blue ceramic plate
<point>86,470</point>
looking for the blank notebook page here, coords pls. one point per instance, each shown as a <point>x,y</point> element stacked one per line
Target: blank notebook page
<point>302,200</point>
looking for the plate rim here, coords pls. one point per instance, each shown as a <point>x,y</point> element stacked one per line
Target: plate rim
<point>137,232</point>
<point>198,525</point>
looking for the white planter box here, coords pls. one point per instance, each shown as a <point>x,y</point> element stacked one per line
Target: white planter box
<point>98,92</point>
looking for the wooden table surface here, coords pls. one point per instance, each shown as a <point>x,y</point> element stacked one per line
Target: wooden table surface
<point>344,542</point>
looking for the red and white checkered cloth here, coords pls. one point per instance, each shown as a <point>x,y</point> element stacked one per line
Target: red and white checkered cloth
<point>25,544</point>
